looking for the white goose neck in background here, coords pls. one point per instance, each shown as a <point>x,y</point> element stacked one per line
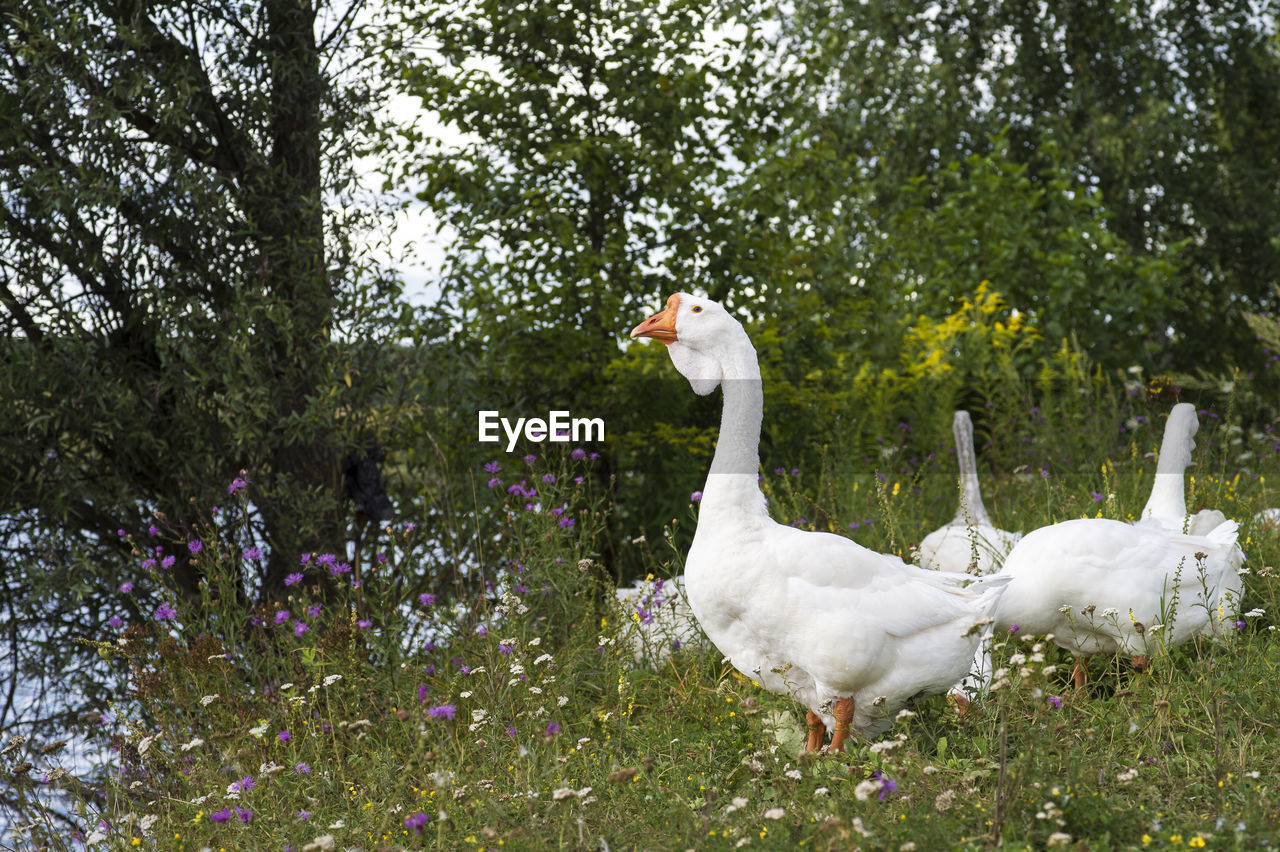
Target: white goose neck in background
<point>1168,501</point>
<point>971,510</point>
<point>733,485</point>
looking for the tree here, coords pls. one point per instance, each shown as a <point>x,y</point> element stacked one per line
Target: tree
<point>1162,113</point>
<point>181,289</point>
<point>610,153</point>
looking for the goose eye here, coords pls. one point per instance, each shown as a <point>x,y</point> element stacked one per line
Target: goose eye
<point>697,309</point>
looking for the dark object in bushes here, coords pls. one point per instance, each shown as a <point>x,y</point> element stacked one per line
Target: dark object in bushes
<point>364,484</point>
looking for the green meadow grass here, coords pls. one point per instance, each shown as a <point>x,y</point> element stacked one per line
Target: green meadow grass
<point>511,713</point>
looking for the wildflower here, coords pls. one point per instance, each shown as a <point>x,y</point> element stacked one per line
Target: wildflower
<point>565,523</point>
<point>221,816</point>
<point>164,612</point>
<point>115,621</point>
<point>126,587</point>
<point>330,680</point>
<point>887,785</point>
<point>1240,625</point>
<point>1055,701</point>
<point>304,816</point>
<point>245,783</point>
<point>1014,628</point>
<point>695,497</point>
<point>306,557</point>
<point>209,699</point>
<point>775,813</point>
<point>254,554</point>
<point>553,728</point>
<point>299,627</point>
<point>364,624</point>
<point>443,711</point>
<point>492,467</point>
<point>422,692</point>
<point>282,616</point>
<point>504,647</point>
<point>195,546</point>
<point>530,459</point>
<point>302,769</point>
<point>495,482</point>
<point>284,736</point>
<point>1097,496</point>
<point>236,484</point>
<point>244,815</point>
<point>314,611</point>
<point>578,454</point>
<point>153,530</point>
<point>168,561</point>
<point>426,599</point>
<point>416,821</point>
<point>548,478</point>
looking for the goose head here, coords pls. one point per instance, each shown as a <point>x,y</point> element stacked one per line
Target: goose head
<point>700,336</point>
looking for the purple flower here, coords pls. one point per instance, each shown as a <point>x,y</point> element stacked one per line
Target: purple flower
<point>306,557</point>
<point>221,816</point>
<point>168,561</point>
<point>364,624</point>
<point>153,530</point>
<point>579,454</point>
<point>1096,495</point>
<point>115,621</point>
<point>236,484</point>
<point>553,728</point>
<point>1055,701</point>
<point>548,478</point>
<point>530,459</point>
<point>293,579</point>
<point>164,612</point>
<point>302,769</point>
<point>887,785</point>
<point>304,815</point>
<point>426,599</point>
<point>482,630</point>
<point>1240,625</point>
<point>339,569</point>
<point>244,815</point>
<point>416,821</point>
<point>148,565</point>
<point>314,611</point>
<point>284,736</point>
<point>1014,628</point>
<point>245,783</point>
<point>282,616</point>
<point>442,711</point>
<point>326,559</point>
<point>422,692</point>
<point>253,554</point>
<point>495,482</point>
<point>299,627</point>
<point>504,648</point>
<point>195,546</point>
<point>492,467</point>
<point>126,587</point>
<point>565,523</point>
<point>695,497</point>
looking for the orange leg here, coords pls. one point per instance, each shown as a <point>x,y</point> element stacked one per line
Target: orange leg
<point>817,731</point>
<point>1141,662</point>
<point>844,715</point>
<point>961,702</point>
<point>1081,672</point>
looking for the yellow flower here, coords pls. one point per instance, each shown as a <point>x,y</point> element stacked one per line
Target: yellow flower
<point>1196,842</point>
<point>1146,840</point>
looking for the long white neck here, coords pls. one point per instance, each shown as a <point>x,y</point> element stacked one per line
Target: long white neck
<point>1168,500</point>
<point>971,510</point>
<point>733,483</point>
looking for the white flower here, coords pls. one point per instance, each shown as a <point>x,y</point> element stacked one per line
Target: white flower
<point>259,730</point>
<point>562,700</point>
<point>821,791</point>
<point>209,699</point>
<point>1058,838</point>
<point>793,774</point>
<point>562,793</point>
<point>270,768</point>
<point>1109,612</point>
<point>1064,608</point>
<point>904,713</point>
<point>775,813</point>
<point>542,659</point>
<point>146,744</point>
<point>323,843</point>
<point>146,822</point>
<point>535,690</point>
<point>865,788</point>
<point>535,641</point>
<point>195,743</point>
<point>332,679</point>
<point>738,802</point>
<point>466,694</point>
<point>1254,613</point>
<point>1128,775</point>
<point>285,687</point>
<point>339,824</point>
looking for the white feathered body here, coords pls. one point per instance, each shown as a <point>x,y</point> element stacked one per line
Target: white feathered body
<point>819,617</point>
<point>966,548</point>
<point>1128,574</point>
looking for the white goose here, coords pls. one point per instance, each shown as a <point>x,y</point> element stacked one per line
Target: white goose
<point>1096,584</point>
<point>850,633</point>
<point>1167,506</point>
<point>970,543</point>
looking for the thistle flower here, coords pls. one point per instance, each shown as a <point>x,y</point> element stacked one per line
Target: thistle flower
<point>284,736</point>
<point>416,821</point>
<point>164,612</point>
<point>126,587</point>
<point>426,599</point>
<point>221,816</point>
<point>299,627</point>
<point>302,769</point>
<point>695,497</point>
<point>443,711</point>
<point>252,554</point>
<point>293,579</point>
<point>195,546</point>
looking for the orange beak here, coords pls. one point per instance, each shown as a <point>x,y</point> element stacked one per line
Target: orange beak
<point>662,325</point>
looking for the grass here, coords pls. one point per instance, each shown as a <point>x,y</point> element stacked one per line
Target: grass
<point>509,712</point>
